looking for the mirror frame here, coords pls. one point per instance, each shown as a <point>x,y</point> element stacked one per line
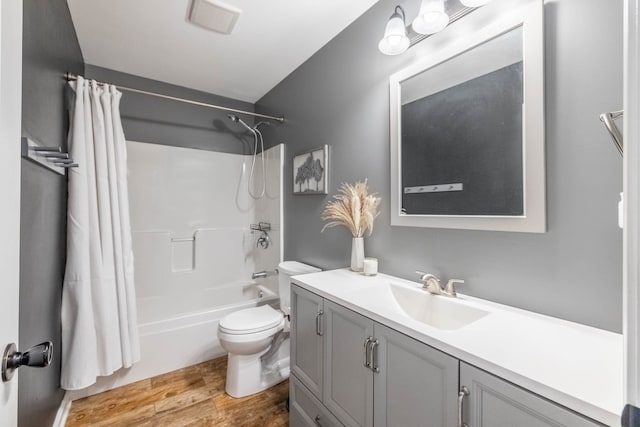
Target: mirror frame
<point>482,26</point>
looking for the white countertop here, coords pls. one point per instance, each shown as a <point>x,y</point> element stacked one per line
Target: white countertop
<point>577,366</point>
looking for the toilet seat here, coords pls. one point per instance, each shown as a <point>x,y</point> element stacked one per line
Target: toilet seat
<point>251,320</point>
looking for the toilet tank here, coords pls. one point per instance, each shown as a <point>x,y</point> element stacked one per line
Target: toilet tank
<point>286,269</point>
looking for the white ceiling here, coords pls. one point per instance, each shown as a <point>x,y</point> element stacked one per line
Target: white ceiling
<point>153,39</point>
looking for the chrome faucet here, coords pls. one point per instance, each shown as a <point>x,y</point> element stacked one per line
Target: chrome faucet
<point>259,275</point>
<point>432,284</point>
<point>263,274</point>
<point>263,240</point>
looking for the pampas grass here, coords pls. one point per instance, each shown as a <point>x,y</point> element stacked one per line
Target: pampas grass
<point>354,208</point>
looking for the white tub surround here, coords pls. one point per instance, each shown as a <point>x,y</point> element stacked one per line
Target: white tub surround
<point>191,220</point>
<point>577,366</point>
<point>194,251</point>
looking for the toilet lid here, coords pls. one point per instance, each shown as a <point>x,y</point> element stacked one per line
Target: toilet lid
<point>250,320</point>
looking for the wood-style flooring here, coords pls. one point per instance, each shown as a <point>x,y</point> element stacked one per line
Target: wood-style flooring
<point>193,396</point>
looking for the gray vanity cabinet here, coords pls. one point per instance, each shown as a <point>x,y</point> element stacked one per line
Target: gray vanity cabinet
<point>349,370</point>
<point>493,402</point>
<point>365,366</point>
<point>307,341</point>
<point>416,384</point>
<point>348,391</point>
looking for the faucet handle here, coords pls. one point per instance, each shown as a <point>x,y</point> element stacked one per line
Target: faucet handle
<point>425,277</point>
<point>450,287</point>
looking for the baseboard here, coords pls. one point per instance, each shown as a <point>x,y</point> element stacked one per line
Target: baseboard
<point>63,411</point>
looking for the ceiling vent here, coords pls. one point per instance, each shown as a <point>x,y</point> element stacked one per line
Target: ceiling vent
<point>214,15</point>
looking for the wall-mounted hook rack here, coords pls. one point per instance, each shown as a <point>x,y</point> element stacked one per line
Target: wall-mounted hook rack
<point>458,186</point>
<point>52,158</point>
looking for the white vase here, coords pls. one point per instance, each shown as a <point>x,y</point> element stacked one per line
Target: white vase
<point>357,253</point>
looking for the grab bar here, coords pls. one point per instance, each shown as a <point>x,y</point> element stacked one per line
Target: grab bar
<point>183,239</point>
<point>616,136</point>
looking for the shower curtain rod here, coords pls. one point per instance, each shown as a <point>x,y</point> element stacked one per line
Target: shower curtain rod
<point>73,77</point>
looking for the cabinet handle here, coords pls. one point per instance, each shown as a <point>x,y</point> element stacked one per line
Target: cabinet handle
<point>374,356</point>
<point>319,331</point>
<point>464,391</point>
<point>367,363</point>
<point>317,420</point>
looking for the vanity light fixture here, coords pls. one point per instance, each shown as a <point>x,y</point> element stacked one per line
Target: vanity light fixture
<point>395,40</point>
<point>474,3</point>
<point>432,17</point>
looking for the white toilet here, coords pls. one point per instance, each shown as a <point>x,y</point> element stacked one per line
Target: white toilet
<point>257,339</point>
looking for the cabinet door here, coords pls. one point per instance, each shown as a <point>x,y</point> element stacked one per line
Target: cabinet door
<point>307,339</point>
<point>416,385</point>
<point>306,410</point>
<point>493,402</point>
<point>348,384</point>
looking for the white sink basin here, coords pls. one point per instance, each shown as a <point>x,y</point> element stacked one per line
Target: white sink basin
<point>434,310</point>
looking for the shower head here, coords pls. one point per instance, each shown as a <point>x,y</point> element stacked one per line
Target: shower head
<point>237,119</point>
<point>262,123</point>
<point>257,136</point>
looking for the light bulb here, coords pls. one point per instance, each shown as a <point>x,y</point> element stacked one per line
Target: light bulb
<point>395,40</point>
<point>474,3</point>
<point>432,18</point>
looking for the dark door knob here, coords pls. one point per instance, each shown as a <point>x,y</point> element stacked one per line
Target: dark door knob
<point>38,356</point>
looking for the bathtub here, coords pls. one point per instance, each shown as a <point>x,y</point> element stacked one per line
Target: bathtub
<point>180,339</point>
<point>161,314</point>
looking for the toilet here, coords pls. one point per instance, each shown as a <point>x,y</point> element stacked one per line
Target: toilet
<point>257,339</point>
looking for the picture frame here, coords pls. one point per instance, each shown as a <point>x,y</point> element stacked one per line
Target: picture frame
<point>311,171</point>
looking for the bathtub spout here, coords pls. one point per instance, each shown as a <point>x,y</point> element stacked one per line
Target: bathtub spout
<point>259,275</point>
<point>262,274</point>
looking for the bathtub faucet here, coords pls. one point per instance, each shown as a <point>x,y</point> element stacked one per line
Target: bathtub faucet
<point>263,241</point>
<point>263,274</point>
<point>264,228</point>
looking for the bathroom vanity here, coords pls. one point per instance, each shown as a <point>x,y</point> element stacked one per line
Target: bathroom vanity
<point>380,351</point>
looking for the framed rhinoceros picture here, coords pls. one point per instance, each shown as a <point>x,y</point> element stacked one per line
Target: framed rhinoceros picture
<point>310,171</point>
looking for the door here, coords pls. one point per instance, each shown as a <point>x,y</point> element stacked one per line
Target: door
<point>348,383</point>
<point>307,338</point>
<point>10,131</point>
<point>631,186</point>
<point>493,402</point>
<point>417,385</point>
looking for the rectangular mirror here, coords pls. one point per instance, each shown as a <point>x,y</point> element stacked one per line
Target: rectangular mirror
<point>467,130</point>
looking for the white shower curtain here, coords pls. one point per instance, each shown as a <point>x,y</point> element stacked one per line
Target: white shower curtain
<point>99,319</point>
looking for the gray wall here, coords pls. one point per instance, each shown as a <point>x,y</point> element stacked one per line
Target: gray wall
<point>166,122</point>
<point>340,97</point>
<point>50,48</point>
